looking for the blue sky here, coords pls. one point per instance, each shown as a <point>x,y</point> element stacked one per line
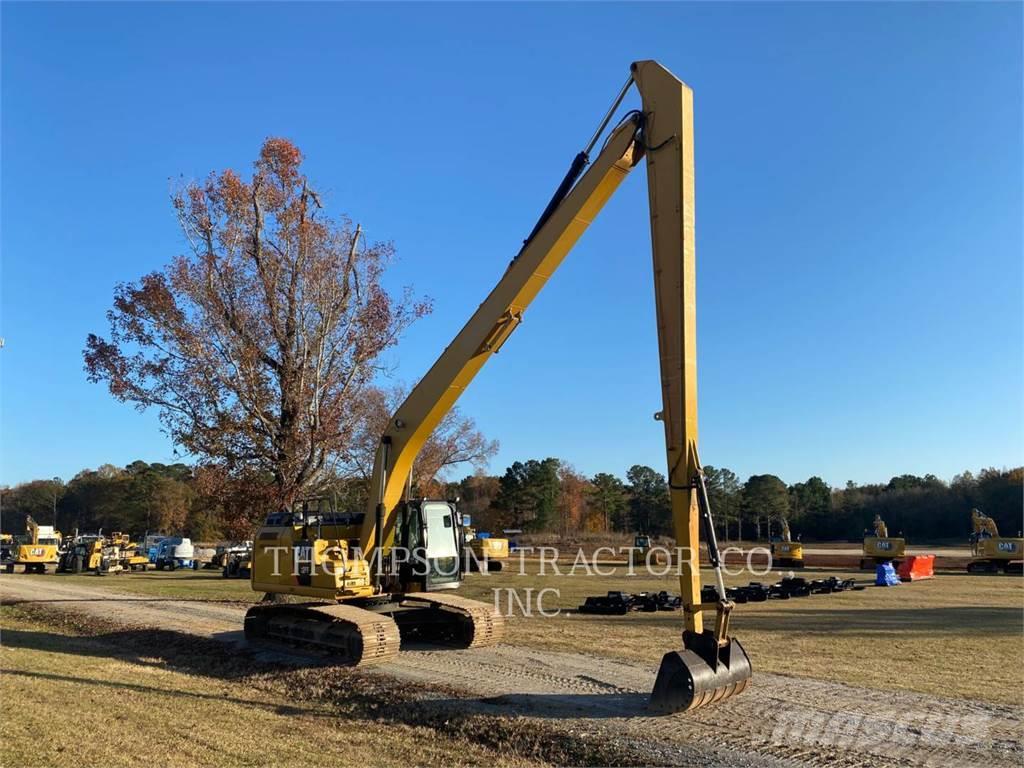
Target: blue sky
<point>859,213</point>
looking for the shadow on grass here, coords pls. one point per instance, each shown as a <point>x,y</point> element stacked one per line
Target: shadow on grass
<point>14,601</point>
<point>149,647</point>
<point>185,574</point>
<point>310,678</point>
<point>559,706</point>
<point>278,709</point>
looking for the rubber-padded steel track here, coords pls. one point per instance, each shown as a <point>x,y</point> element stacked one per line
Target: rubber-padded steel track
<point>482,624</point>
<point>353,636</point>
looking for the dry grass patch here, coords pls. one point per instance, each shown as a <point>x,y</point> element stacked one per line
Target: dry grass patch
<point>122,706</point>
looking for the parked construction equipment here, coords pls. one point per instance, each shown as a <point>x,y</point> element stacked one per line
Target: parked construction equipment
<point>102,555</point>
<point>787,553</point>
<point>621,603</point>
<point>237,561</point>
<point>6,549</point>
<point>616,603</point>
<point>356,564</point>
<point>173,552</point>
<point>990,552</point>
<point>483,552</point>
<point>38,549</point>
<point>149,545</point>
<point>881,548</point>
<point>131,554</point>
<point>643,552</point>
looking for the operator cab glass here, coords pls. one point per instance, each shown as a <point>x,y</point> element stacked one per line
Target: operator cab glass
<point>429,532</point>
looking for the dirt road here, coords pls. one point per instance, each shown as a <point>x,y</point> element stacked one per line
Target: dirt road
<point>779,721</point>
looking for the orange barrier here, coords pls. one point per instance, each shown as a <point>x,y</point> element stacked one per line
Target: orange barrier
<point>917,567</point>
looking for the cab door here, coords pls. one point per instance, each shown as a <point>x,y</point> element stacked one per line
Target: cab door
<point>441,544</point>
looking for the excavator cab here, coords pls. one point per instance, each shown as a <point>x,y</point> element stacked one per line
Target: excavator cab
<point>429,546</point>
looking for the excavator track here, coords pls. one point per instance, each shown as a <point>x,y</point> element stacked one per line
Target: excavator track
<point>477,624</point>
<point>352,636</point>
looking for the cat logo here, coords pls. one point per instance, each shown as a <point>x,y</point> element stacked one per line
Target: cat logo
<point>304,564</point>
<point>885,545</point>
<point>1007,546</point>
<point>36,551</point>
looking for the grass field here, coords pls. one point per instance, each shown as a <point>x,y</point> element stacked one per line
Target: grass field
<point>917,637</point>
<point>937,636</point>
<point>194,706</point>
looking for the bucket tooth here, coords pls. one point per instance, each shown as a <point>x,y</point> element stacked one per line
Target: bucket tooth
<point>702,673</point>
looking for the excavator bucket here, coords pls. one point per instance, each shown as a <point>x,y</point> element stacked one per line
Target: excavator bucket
<point>701,674</point>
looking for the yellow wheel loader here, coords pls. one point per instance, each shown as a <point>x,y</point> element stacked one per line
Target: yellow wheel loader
<point>881,547</point>
<point>37,550</point>
<point>787,553</point>
<point>390,572</point>
<point>990,552</point>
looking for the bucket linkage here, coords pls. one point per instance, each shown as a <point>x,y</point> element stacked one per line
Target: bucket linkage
<point>712,666</point>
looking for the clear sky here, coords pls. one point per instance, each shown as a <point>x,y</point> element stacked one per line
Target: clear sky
<point>859,213</point>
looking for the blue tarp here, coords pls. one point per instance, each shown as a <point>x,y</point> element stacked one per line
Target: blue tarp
<point>885,576</point>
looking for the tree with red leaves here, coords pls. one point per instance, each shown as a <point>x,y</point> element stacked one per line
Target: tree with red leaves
<point>259,347</point>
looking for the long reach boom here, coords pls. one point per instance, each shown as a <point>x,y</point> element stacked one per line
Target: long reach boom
<point>661,131</point>
<point>373,593</point>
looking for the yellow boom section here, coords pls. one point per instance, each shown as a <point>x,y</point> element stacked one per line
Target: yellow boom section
<point>663,131</point>
<point>489,328</point>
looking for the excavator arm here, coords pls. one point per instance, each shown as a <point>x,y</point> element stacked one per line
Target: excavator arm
<point>32,528</point>
<point>711,666</point>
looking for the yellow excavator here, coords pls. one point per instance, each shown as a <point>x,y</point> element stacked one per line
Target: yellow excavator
<point>991,552</point>
<point>38,549</point>
<point>787,553</point>
<point>389,572</point>
<point>882,548</point>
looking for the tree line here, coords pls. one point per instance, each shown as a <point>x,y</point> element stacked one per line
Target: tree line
<point>549,495</point>
<point>539,495</point>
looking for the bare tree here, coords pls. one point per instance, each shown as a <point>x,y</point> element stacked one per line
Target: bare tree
<point>258,347</point>
<point>455,441</point>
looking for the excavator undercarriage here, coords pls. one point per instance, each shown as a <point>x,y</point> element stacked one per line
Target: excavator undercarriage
<point>372,631</point>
